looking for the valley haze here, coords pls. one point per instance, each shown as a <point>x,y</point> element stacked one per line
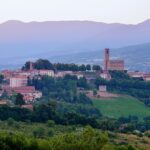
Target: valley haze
<point>76,41</point>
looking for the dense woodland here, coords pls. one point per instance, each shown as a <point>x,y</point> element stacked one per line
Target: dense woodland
<point>64,103</point>
<point>85,139</point>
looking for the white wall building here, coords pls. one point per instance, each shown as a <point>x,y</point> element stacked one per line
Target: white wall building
<point>47,72</point>
<point>18,81</point>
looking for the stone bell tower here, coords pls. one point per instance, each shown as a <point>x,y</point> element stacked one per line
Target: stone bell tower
<point>106,59</point>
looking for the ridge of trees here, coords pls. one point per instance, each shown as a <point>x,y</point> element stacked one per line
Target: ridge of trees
<point>46,64</point>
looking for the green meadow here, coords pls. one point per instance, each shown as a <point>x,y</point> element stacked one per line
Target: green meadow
<point>122,106</point>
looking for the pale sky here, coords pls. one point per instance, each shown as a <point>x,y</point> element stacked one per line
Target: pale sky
<point>109,11</point>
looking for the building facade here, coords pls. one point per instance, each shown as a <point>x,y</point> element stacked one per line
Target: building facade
<point>112,64</point>
<point>103,88</point>
<point>47,73</point>
<point>18,81</point>
<point>30,94</point>
<point>116,65</point>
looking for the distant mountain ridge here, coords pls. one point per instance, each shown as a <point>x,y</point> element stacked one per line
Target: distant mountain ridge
<point>136,57</point>
<point>34,37</point>
<point>20,41</point>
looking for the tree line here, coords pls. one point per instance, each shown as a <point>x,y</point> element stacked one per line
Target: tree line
<point>46,64</point>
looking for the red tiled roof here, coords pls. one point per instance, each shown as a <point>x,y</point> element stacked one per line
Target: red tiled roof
<point>22,90</point>
<point>20,76</point>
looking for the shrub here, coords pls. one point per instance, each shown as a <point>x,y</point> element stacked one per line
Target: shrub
<point>10,121</point>
<point>50,123</point>
<point>39,132</point>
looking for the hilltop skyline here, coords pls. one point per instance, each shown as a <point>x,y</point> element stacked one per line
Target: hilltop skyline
<point>109,23</point>
<point>28,41</point>
<point>108,11</point>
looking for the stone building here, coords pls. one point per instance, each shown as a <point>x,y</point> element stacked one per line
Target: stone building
<point>103,88</point>
<point>18,81</point>
<point>116,65</point>
<point>112,64</point>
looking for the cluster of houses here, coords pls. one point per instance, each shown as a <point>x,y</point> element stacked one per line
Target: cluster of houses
<point>138,75</point>
<point>16,81</point>
<point>119,65</point>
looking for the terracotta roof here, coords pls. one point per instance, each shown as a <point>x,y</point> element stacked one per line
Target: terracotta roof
<point>19,76</point>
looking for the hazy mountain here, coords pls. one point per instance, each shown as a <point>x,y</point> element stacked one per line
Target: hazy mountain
<point>21,41</point>
<point>136,57</point>
<point>35,37</point>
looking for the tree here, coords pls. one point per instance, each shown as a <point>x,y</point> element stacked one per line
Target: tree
<point>4,95</point>
<point>26,66</point>
<point>43,64</point>
<point>88,67</point>
<point>94,92</point>
<point>1,78</point>
<point>10,121</point>
<point>39,132</point>
<point>82,82</point>
<point>119,74</point>
<point>39,64</point>
<point>19,100</point>
<point>96,68</point>
<point>45,112</point>
<point>50,123</point>
<point>88,139</point>
<point>82,68</point>
<point>100,81</point>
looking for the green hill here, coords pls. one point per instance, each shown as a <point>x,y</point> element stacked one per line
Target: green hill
<point>122,106</point>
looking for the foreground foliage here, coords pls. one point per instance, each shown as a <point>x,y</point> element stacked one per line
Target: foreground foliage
<point>87,139</point>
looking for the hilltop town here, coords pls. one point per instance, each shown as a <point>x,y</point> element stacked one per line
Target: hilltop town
<point>75,75</point>
<point>49,99</point>
<point>16,81</point>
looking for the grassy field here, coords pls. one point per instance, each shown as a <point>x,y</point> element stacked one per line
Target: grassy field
<point>122,106</point>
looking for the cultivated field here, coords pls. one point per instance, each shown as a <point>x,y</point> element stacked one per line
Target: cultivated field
<point>122,106</point>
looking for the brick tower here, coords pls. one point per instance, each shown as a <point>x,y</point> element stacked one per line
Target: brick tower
<point>106,59</point>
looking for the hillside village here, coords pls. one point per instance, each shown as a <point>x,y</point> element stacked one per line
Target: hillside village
<point>16,81</point>
<point>64,98</point>
<point>75,75</point>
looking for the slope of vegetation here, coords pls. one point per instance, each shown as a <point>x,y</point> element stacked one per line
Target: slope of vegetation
<point>58,120</point>
<point>49,136</point>
<point>122,106</point>
<point>123,84</point>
